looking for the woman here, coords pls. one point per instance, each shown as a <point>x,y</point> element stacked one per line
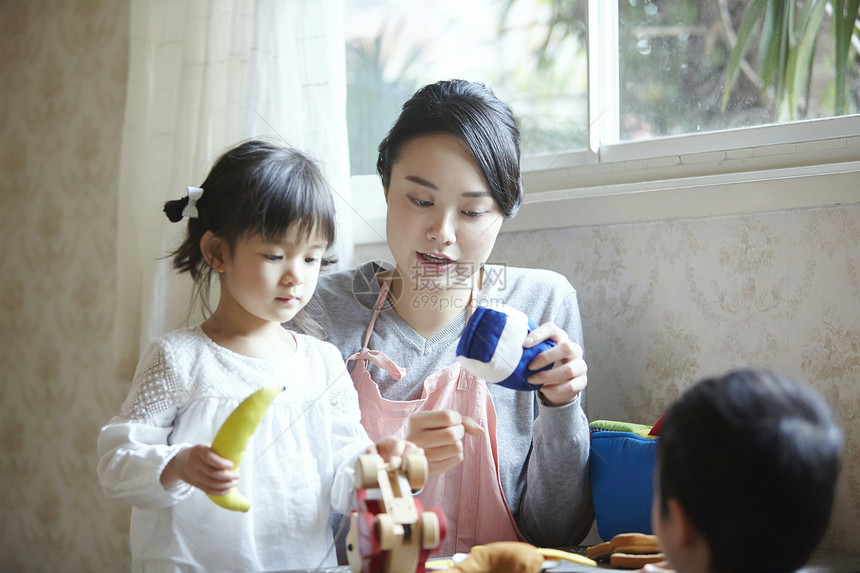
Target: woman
<point>508,464</point>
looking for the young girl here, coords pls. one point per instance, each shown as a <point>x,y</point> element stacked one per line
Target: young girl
<point>450,169</point>
<point>262,222</point>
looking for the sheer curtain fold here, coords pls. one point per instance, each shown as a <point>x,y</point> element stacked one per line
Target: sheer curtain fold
<point>204,75</point>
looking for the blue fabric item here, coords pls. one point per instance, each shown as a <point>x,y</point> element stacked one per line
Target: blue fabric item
<point>481,336</point>
<point>622,480</point>
<point>481,345</point>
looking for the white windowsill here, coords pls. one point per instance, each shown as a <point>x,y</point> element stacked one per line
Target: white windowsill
<point>694,176</point>
<point>702,196</point>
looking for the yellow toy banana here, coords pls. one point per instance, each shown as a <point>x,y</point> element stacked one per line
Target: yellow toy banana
<point>559,555</point>
<point>232,439</point>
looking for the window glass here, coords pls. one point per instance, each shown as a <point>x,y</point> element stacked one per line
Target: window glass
<point>659,67</point>
<point>532,54</point>
<point>674,57</point>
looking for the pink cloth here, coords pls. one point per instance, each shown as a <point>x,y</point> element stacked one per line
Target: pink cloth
<point>469,494</point>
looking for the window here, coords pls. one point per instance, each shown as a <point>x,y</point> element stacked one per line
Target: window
<point>393,48</point>
<point>605,82</point>
<point>674,59</point>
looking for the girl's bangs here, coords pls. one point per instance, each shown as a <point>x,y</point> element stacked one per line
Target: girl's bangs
<point>306,206</point>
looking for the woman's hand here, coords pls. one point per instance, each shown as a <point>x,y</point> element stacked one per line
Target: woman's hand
<point>440,433</point>
<point>562,383</point>
<point>202,468</point>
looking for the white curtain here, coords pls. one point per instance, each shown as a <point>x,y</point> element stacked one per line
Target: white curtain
<point>204,75</point>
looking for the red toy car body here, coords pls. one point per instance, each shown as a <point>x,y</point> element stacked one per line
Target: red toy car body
<point>390,531</point>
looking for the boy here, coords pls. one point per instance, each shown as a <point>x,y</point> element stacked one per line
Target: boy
<point>746,472</point>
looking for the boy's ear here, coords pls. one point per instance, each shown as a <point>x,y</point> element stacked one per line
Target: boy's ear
<point>684,546</point>
<point>683,532</point>
<point>213,249</point>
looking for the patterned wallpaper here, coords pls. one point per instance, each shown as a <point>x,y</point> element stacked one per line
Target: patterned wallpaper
<point>63,69</point>
<point>666,303</point>
<point>663,303</point>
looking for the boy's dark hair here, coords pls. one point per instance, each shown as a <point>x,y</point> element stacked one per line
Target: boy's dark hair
<point>752,457</point>
<point>473,113</point>
<point>256,187</point>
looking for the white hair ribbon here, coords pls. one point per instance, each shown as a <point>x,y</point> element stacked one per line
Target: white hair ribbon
<point>190,210</point>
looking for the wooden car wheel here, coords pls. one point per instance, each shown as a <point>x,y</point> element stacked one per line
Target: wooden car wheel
<point>386,530</point>
<point>431,533</point>
<point>353,547</point>
<point>367,471</point>
<point>416,469</point>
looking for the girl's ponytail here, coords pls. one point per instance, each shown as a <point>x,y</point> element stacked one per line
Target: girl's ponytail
<point>173,209</point>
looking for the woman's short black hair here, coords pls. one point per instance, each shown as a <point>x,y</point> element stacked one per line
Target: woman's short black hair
<point>752,457</point>
<point>473,113</point>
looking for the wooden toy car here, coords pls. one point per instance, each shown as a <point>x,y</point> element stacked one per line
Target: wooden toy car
<point>390,532</point>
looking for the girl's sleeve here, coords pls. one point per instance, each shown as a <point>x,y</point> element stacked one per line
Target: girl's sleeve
<point>134,447</point>
<point>349,438</point>
<point>556,508</point>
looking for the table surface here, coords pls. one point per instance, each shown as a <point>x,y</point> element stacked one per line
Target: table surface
<point>822,561</point>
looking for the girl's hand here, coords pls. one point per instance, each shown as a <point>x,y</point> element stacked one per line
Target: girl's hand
<point>440,433</point>
<point>202,468</point>
<point>391,447</point>
<point>562,383</point>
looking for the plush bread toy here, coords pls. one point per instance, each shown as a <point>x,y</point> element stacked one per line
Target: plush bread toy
<point>628,551</point>
<point>491,347</point>
<point>501,557</point>
<point>513,557</point>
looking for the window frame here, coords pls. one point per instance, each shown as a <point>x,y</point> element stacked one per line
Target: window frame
<point>812,163</point>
